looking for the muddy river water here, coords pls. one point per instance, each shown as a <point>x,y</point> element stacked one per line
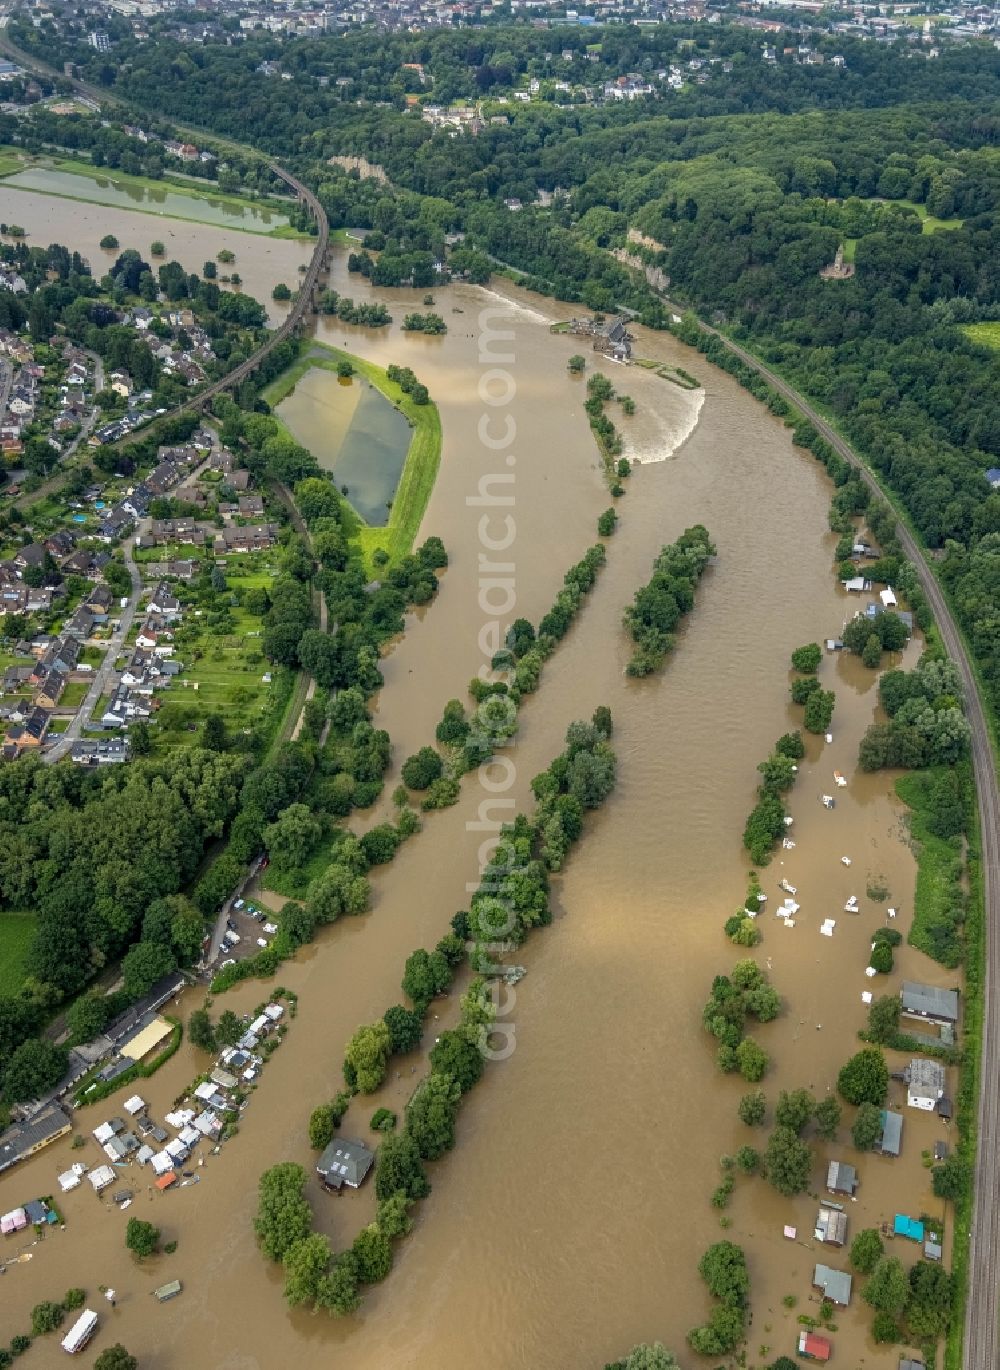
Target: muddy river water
<point>567,1224</point>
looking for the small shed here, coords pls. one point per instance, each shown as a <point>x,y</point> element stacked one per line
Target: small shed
<point>166,1180</point>
<point>906,1363</point>
<point>134,1105</point>
<point>68,1180</point>
<point>905,1226</point>
<point>814,1347</point>
<point>932,1250</point>
<point>101,1177</point>
<point>168,1291</point>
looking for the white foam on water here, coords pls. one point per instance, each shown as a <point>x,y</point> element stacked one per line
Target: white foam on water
<point>516,309</point>
<point>667,441</point>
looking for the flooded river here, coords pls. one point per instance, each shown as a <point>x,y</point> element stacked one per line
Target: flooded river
<point>568,1222</point>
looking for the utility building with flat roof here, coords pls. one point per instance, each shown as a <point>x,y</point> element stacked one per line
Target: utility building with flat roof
<point>927,1002</point>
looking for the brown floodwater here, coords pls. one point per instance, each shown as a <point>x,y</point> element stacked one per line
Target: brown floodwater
<point>567,1223</point>
<point>261,262</point>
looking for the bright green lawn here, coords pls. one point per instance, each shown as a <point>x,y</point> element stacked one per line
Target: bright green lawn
<point>985,334</point>
<point>74,694</point>
<point>16,932</point>
<point>850,247</point>
<point>929,222</point>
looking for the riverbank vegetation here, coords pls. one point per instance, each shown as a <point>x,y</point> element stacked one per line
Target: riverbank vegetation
<point>514,889</point>
<point>723,1267</point>
<point>371,315</point>
<point>926,725</point>
<point>659,606</point>
<point>744,993</point>
<point>766,821</point>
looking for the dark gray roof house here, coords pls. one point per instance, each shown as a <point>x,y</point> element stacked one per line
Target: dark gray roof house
<point>344,1162</point>
<point>24,1139</point>
<point>841,1178</point>
<point>835,1284</point>
<point>905,1363</point>
<point>891,1140</point>
<point>925,1001</point>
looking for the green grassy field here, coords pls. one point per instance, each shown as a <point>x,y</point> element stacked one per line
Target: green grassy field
<point>850,247</point>
<point>422,458</point>
<point>74,694</point>
<point>224,673</point>
<point>929,222</point>
<point>9,161</point>
<point>16,932</point>
<point>985,334</point>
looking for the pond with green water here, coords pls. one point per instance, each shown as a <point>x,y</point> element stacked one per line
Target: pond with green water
<point>355,433</point>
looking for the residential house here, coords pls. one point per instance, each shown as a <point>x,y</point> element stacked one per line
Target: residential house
<point>184,531</point>
<point>59,544</point>
<point>835,1284</point>
<point>115,524</point>
<point>137,502</point>
<point>33,555</point>
<point>30,733</point>
<point>841,1178</point>
<point>100,751</point>
<point>167,605</point>
<point>344,1163</point>
<point>890,1139</point>
<point>251,507</point>
<point>831,1226</point>
<point>927,1002</point>
<point>249,538</point>
<point>925,1083</point>
<point>25,1139</point>
<point>50,691</point>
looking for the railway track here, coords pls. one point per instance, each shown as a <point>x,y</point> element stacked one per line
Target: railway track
<point>981,1348</point>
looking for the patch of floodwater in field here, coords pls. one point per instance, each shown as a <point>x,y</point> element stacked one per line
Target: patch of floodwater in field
<point>174,204</point>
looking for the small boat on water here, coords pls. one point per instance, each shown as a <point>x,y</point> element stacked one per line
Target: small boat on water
<point>845,860</point>
<point>788,888</point>
<point>828,801</point>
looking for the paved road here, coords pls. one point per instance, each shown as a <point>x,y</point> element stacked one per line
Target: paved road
<point>105,672</point>
<point>982,1321</point>
<point>6,382</point>
<point>86,428</point>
